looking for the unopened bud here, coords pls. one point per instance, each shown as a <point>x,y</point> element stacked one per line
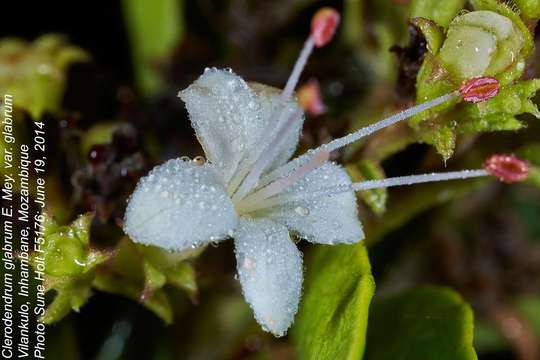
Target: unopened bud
<point>309,97</point>
<point>323,25</point>
<point>507,168</point>
<point>479,89</point>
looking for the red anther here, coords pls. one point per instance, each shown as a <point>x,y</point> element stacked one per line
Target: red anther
<point>507,168</point>
<point>323,25</point>
<point>309,97</point>
<point>479,89</point>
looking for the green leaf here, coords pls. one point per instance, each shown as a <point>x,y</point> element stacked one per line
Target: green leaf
<point>154,27</point>
<point>423,323</point>
<point>369,170</point>
<point>441,12</point>
<point>332,320</point>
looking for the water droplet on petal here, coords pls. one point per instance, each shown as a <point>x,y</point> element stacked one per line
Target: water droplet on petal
<point>199,160</point>
<point>303,211</point>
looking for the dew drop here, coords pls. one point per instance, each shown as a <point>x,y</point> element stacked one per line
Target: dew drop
<point>199,160</point>
<point>249,263</point>
<point>303,211</point>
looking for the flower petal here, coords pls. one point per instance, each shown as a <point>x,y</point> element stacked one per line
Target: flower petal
<point>225,114</point>
<point>325,220</point>
<point>270,270</point>
<point>179,205</point>
<point>229,117</point>
<point>269,98</point>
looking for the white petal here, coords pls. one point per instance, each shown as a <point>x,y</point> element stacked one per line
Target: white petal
<point>229,117</point>
<point>269,98</point>
<point>270,270</point>
<point>325,220</point>
<point>179,205</point>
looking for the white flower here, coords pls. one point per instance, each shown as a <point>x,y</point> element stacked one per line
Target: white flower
<point>181,204</point>
<point>249,190</point>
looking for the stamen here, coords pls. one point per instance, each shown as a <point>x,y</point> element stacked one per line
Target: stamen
<point>368,130</point>
<point>283,199</point>
<point>355,136</point>
<point>309,97</point>
<point>479,89</point>
<point>251,201</point>
<point>264,139</point>
<point>267,156</point>
<point>507,168</point>
<point>323,27</point>
<point>297,69</point>
<point>417,179</point>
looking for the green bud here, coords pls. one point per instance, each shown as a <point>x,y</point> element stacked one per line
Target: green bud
<point>70,265</point>
<point>480,43</point>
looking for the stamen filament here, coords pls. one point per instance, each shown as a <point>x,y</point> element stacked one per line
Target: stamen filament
<point>297,69</point>
<point>279,185</point>
<point>268,154</point>
<point>283,199</point>
<point>355,136</point>
<point>269,134</point>
<point>368,130</point>
<point>417,179</point>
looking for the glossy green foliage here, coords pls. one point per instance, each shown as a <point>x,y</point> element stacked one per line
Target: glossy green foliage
<point>332,320</point>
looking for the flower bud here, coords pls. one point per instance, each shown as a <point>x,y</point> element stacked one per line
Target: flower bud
<point>479,89</point>
<point>507,168</point>
<point>323,25</point>
<point>480,43</point>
